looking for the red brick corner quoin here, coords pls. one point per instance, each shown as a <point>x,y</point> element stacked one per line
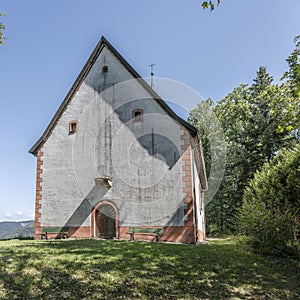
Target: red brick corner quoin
<point>189,222</point>
<point>38,195</point>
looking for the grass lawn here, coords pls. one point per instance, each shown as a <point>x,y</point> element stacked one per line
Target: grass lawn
<point>97,269</point>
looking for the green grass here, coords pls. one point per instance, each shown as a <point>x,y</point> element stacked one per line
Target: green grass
<point>96,269</point>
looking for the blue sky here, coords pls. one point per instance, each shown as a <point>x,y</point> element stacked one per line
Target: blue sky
<point>50,41</point>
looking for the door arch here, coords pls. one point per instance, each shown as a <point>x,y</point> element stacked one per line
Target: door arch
<point>105,221</point>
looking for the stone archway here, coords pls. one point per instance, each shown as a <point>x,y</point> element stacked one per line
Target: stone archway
<point>105,223</point>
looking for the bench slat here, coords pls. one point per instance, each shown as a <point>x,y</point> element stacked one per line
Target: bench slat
<point>157,232</point>
<point>146,233</point>
<point>55,229</point>
<point>146,229</point>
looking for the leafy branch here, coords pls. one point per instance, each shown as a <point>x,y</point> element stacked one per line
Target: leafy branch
<point>2,27</point>
<point>210,4</point>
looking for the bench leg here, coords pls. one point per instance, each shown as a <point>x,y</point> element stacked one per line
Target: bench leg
<point>131,236</point>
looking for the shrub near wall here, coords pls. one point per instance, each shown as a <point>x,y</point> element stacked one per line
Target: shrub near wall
<point>270,215</point>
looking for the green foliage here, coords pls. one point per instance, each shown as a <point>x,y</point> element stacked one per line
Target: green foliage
<point>293,74</point>
<point>2,27</point>
<point>250,128</point>
<point>267,232</point>
<point>99,269</point>
<point>201,118</point>
<point>210,4</point>
<point>270,215</point>
<point>290,103</point>
<point>210,130</point>
<point>258,122</point>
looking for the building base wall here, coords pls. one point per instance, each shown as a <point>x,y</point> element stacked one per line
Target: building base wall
<point>201,236</point>
<point>73,232</point>
<point>177,234</point>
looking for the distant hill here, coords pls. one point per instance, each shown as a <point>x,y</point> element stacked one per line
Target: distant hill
<point>10,230</point>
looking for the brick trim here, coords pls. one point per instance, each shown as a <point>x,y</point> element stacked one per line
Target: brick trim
<point>38,195</point>
<point>187,180</point>
<point>177,234</point>
<point>186,162</point>
<point>201,236</point>
<point>73,232</point>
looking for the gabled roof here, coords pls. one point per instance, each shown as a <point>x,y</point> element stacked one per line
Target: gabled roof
<point>81,77</point>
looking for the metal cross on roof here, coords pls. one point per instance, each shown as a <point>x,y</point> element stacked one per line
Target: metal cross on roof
<point>152,74</point>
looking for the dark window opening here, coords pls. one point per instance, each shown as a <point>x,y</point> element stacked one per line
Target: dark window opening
<point>137,115</point>
<point>73,127</point>
<point>104,69</point>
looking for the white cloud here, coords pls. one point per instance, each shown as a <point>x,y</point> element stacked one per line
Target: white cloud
<point>31,215</point>
<point>17,216</point>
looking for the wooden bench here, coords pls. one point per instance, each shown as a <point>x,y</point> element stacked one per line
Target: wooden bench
<point>61,232</point>
<point>157,232</point>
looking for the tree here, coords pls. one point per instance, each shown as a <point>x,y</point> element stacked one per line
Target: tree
<point>262,81</point>
<point>258,122</point>
<point>270,215</point>
<point>221,211</point>
<point>291,99</point>
<point>250,122</point>
<point>2,27</point>
<point>250,117</point>
<point>293,74</point>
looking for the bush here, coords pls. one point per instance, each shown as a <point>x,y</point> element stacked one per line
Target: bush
<point>268,233</point>
<point>270,212</point>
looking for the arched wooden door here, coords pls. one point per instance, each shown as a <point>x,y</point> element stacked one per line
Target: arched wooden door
<point>105,222</point>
